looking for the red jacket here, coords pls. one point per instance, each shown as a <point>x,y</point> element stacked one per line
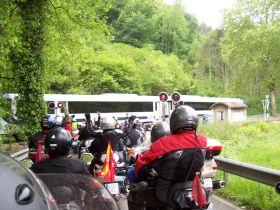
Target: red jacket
<point>167,144</point>
<point>175,158</point>
<point>68,127</point>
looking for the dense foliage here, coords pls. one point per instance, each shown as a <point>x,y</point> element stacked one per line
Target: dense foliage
<point>251,48</point>
<point>136,46</point>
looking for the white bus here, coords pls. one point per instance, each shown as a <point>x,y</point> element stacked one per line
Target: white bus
<point>145,108</point>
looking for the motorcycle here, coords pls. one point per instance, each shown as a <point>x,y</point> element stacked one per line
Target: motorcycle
<point>77,191</point>
<point>209,171</point>
<point>112,173</point>
<point>116,182</point>
<point>186,194</point>
<point>83,146</point>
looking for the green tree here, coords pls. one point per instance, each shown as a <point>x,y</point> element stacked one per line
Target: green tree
<point>73,34</point>
<point>28,62</point>
<point>125,69</point>
<point>173,33</point>
<point>9,32</point>
<point>135,25</point>
<point>251,47</point>
<point>209,68</point>
<point>42,44</point>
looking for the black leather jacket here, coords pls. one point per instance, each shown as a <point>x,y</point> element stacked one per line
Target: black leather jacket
<point>60,164</point>
<point>100,143</point>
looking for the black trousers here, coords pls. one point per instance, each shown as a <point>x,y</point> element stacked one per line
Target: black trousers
<point>146,197</point>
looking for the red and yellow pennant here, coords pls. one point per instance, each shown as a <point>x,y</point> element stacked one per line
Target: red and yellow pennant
<point>108,168</point>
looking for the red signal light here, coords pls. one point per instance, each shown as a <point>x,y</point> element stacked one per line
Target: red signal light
<point>60,105</point>
<point>163,96</point>
<point>51,105</point>
<point>175,96</point>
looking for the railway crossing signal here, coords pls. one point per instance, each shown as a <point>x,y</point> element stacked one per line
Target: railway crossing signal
<point>51,105</point>
<point>163,96</point>
<point>175,96</point>
<point>60,105</point>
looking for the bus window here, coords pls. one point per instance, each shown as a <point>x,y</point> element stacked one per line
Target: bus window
<point>108,107</point>
<point>199,105</point>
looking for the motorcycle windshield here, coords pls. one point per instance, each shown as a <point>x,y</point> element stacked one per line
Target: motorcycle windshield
<point>78,192</point>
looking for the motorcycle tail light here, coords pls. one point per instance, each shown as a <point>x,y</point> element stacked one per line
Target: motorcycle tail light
<point>214,168</point>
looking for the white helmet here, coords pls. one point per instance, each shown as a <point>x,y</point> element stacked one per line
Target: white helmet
<point>107,124</point>
<point>58,120</point>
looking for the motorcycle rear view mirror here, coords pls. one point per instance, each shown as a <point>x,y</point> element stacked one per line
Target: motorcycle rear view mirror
<point>27,163</point>
<point>87,157</point>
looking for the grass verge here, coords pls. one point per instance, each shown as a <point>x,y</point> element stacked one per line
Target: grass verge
<point>254,143</point>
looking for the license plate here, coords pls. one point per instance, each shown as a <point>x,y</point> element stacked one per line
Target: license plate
<point>113,188</point>
<point>207,183</point>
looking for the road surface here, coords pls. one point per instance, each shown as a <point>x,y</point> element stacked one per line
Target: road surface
<point>219,204</point>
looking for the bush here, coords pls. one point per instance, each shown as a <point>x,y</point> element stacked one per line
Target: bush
<point>15,133</point>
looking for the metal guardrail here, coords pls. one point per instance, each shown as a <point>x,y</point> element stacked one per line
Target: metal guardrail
<point>20,155</point>
<point>256,173</point>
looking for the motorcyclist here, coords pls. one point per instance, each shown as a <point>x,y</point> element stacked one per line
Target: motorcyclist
<point>134,137</point>
<point>99,119</point>
<point>67,123</point>
<point>33,140</point>
<point>130,122</point>
<point>170,160</point>
<point>57,146</point>
<point>159,130</point>
<point>99,146</point>
<point>86,132</point>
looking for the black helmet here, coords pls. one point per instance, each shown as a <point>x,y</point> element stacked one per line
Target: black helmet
<point>184,117</point>
<point>57,142</point>
<point>159,130</point>
<point>45,123</point>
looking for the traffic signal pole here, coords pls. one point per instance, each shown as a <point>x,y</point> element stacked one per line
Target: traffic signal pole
<point>168,106</point>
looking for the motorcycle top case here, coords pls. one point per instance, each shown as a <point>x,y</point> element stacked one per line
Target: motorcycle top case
<point>213,148</point>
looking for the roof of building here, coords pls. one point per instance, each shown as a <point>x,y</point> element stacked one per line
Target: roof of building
<point>232,105</point>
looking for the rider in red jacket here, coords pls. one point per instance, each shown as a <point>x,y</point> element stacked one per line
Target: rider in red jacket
<point>171,159</point>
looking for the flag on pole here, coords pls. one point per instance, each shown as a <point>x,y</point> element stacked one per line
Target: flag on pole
<point>108,168</point>
<point>39,151</point>
<point>197,192</point>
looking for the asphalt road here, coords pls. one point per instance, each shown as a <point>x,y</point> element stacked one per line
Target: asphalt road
<point>222,204</point>
<point>218,202</point>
